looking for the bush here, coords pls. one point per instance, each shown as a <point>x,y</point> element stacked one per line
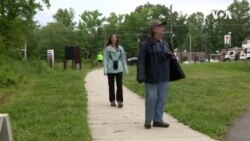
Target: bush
<point>12,72</point>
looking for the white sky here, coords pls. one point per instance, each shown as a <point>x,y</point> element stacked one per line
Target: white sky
<point>127,6</point>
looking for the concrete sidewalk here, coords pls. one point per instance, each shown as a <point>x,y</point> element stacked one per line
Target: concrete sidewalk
<point>113,124</point>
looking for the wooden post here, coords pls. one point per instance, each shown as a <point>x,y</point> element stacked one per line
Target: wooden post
<point>64,64</point>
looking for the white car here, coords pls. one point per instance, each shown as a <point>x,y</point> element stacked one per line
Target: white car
<point>132,61</point>
<point>214,60</point>
<point>188,62</point>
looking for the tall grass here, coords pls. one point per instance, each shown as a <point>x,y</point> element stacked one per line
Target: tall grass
<point>45,104</point>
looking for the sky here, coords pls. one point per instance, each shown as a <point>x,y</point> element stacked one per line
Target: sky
<point>127,6</point>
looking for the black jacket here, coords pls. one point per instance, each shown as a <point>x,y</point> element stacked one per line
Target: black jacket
<point>153,65</point>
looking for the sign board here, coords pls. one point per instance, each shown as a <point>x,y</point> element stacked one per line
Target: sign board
<point>50,56</point>
<point>227,40</point>
<point>73,53</point>
<point>5,128</point>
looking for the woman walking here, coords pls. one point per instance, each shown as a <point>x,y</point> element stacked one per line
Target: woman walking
<point>114,66</point>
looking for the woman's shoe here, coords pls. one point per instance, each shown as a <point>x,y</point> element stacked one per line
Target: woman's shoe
<point>120,105</point>
<point>113,104</point>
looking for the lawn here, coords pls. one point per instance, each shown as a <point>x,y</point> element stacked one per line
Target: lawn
<point>211,97</point>
<point>48,106</point>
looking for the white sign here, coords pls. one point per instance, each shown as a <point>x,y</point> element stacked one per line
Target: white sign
<point>50,56</point>
<point>50,53</point>
<point>219,14</point>
<point>227,39</point>
<point>5,128</point>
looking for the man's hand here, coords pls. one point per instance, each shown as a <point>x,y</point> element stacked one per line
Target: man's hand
<point>172,55</point>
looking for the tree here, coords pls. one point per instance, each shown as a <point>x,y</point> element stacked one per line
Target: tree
<point>113,23</point>
<point>238,26</point>
<point>180,31</point>
<point>2,45</point>
<point>136,25</point>
<point>195,28</point>
<point>65,17</point>
<point>16,21</point>
<point>91,27</point>
<point>241,21</point>
<point>55,36</point>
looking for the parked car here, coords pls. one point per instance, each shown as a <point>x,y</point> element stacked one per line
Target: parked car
<point>188,62</point>
<point>132,61</point>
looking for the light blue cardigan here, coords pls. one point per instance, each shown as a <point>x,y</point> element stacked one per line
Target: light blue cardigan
<point>116,54</point>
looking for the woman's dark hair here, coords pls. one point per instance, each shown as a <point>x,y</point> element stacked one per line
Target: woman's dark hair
<point>110,42</point>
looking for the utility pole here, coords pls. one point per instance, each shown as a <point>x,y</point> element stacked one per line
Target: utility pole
<point>25,51</point>
<point>171,28</point>
<point>190,48</point>
<point>230,39</point>
<point>206,42</point>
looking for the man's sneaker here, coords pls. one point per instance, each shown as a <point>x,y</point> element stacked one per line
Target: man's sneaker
<point>160,124</point>
<point>112,104</point>
<point>120,105</point>
<point>147,124</point>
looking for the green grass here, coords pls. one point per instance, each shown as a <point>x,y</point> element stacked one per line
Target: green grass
<point>210,98</point>
<point>48,106</point>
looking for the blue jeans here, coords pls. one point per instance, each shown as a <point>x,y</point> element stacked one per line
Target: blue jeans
<point>155,100</point>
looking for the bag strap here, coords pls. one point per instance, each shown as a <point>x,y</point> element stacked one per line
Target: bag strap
<point>120,55</point>
<point>110,56</point>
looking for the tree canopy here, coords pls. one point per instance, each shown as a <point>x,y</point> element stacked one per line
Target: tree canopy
<point>17,26</point>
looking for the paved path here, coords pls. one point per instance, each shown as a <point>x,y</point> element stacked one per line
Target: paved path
<point>240,131</point>
<point>113,124</point>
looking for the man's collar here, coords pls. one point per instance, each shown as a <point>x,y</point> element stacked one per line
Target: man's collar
<point>156,40</point>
